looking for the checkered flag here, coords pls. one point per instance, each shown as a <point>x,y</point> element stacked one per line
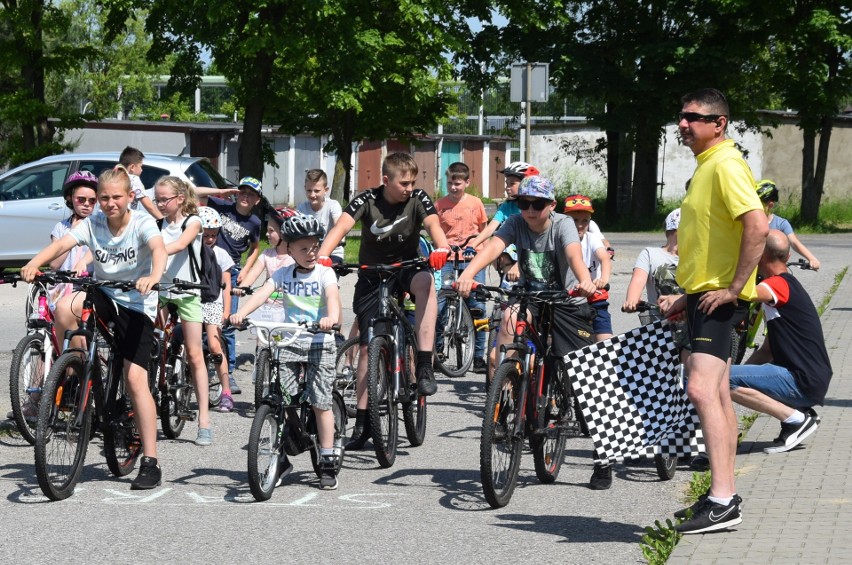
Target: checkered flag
<point>631,395</point>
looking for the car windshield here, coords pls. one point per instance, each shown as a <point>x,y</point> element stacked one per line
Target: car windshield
<point>202,173</point>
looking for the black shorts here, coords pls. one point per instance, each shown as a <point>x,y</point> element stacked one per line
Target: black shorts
<point>133,331</point>
<point>365,302</point>
<point>712,334</point>
<point>571,328</point>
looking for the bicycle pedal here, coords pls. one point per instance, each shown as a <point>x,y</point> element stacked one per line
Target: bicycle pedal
<point>187,416</point>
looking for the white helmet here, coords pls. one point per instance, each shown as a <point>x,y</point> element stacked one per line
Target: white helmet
<point>520,169</point>
<point>210,218</point>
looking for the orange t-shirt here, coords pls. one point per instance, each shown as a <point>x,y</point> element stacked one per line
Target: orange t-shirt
<point>461,220</point>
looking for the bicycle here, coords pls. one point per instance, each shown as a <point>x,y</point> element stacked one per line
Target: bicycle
<point>169,369</point>
<point>391,353</point>
<point>345,375</point>
<point>284,422</point>
<point>84,384</point>
<point>34,354</point>
<point>454,348</point>
<point>745,334</point>
<point>530,397</point>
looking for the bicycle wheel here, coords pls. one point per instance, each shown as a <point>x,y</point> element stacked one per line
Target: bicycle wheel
<point>60,447</point>
<point>499,449</point>
<point>261,376</point>
<point>414,413</point>
<point>214,393</point>
<point>666,466</point>
<point>345,374</point>
<point>173,399</point>
<point>456,354</point>
<point>122,445</point>
<point>493,330</point>
<point>26,377</point>
<point>383,410</point>
<point>31,305</point>
<point>548,442</point>
<point>263,453</point>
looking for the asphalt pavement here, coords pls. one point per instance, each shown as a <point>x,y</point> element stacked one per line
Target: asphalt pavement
<point>428,508</point>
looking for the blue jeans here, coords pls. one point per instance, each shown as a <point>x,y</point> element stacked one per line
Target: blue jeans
<point>228,334</point>
<point>479,343</point>
<point>773,381</point>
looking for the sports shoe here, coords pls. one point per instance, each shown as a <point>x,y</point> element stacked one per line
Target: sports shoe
<point>479,366</point>
<point>709,516</point>
<point>426,384</point>
<point>328,472</point>
<point>235,388</point>
<point>601,477</point>
<point>204,437</point>
<point>149,476</point>
<point>284,468</point>
<point>689,511</point>
<point>360,436</point>
<point>793,434</point>
<point>226,404</point>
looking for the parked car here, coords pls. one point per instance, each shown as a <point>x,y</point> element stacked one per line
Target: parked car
<point>31,195</point>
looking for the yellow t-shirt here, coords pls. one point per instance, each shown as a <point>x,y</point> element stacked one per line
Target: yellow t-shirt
<point>709,235</point>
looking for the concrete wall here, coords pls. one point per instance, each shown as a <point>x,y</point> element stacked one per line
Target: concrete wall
<point>94,140</point>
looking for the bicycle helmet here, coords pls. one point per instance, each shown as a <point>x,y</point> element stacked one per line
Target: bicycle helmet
<point>78,178</point>
<point>520,169</point>
<point>210,218</point>
<point>767,191</point>
<point>673,220</point>
<point>300,226</point>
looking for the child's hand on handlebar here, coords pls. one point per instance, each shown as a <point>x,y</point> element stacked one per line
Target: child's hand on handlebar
<point>438,258</point>
<point>326,324</point>
<point>29,273</point>
<point>586,288</point>
<point>629,306</point>
<point>464,285</point>
<point>236,319</point>
<point>145,284</point>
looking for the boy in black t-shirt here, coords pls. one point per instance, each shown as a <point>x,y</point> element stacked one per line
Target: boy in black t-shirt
<point>391,217</point>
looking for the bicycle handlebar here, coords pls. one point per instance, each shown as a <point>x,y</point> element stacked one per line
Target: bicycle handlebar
<point>803,264</point>
<point>343,269</point>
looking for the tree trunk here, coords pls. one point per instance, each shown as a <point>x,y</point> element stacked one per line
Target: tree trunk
<point>810,201</point>
<point>645,174</point>
<point>810,205</point>
<point>251,141</point>
<point>613,139</point>
<point>342,136</point>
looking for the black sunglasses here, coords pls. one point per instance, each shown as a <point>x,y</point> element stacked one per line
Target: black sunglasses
<point>538,205</point>
<point>696,117</point>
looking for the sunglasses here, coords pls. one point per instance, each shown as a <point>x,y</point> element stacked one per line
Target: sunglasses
<point>696,117</point>
<point>538,205</point>
<point>84,200</point>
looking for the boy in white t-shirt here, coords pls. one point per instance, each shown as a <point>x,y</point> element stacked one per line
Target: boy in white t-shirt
<point>597,259</point>
<point>310,294</point>
<point>132,160</point>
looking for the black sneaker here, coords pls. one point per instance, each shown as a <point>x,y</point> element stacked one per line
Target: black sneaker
<point>601,477</point>
<point>793,434</point>
<point>360,436</point>
<point>479,366</point>
<point>426,384</point>
<point>328,472</point>
<point>691,510</point>
<point>710,516</point>
<point>149,476</point>
<point>284,468</point>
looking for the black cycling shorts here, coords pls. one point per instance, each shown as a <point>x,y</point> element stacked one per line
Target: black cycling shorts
<point>713,334</point>
<point>365,302</point>
<point>134,331</point>
<point>571,328</point>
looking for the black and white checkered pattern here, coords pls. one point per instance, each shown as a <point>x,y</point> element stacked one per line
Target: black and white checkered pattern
<point>631,395</point>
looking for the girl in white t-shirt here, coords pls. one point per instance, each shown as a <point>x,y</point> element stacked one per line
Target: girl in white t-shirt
<point>125,246</point>
<point>181,230</point>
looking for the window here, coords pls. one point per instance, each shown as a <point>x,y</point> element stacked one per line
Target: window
<point>42,181</point>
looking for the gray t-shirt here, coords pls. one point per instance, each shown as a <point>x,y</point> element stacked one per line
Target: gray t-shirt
<point>542,256</point>
<point>649,260</point>
<point>327,216</point>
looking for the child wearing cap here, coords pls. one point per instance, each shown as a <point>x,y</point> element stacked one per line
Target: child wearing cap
<point>239,234</point>
<point>596,258</point>
<point>768,193</point>
<point>649,262</point>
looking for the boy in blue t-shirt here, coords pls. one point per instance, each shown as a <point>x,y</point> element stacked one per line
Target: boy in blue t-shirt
<point>310,295</point>
<point>240,233</point>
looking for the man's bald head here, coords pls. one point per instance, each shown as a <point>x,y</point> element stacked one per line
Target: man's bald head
<point>777,246</point>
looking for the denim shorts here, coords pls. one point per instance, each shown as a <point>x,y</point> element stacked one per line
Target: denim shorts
<point>602,323</point>
<point>773,381</point>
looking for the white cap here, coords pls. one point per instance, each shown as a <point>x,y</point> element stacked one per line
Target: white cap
<point>673,219</point>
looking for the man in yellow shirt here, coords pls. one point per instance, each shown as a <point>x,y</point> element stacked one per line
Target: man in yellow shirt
<point>721,237</point>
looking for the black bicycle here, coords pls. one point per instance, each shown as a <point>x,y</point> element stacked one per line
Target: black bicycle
<point>454,346</point>
<point>85,384</point>
<point>285,423</point>
<point>392,354</point>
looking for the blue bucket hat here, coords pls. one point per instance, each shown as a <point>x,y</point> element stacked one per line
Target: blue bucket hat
<point>251,183</point>
<point>536,187</point>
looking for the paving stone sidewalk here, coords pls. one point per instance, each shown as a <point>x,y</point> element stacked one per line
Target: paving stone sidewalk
<point>798,505</point>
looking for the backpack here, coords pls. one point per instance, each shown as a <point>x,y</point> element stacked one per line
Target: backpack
<point>664,280</point>
<point>207,273</point>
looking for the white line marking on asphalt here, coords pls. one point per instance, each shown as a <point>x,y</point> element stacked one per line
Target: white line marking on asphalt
<point>125,497</point>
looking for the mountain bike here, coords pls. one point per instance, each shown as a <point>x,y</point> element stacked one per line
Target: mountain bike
<point>392,353</point>
<point>454,347</point>
<point>284,422</point>
<point>346,375</point>
<point>34,354</point>
<point>530,397</point>
<point>746,332</point>
<point>85,384</point>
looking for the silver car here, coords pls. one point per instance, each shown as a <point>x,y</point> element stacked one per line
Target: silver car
<point>31,195</point>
